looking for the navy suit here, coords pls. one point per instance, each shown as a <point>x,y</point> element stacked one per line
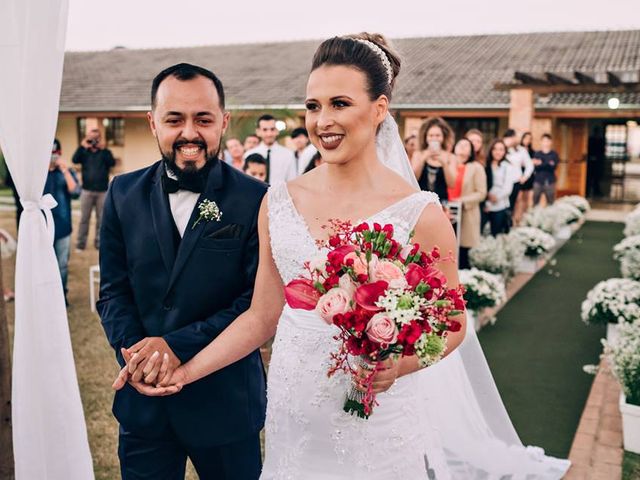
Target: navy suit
<point>186,291</point>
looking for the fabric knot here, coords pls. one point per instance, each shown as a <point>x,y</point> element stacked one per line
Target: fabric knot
<point>45,205</point>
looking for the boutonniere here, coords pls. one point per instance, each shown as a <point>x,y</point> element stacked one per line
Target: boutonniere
<point>208,211</point>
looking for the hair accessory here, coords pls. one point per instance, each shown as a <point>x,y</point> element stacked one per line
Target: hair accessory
<point>380,53</point>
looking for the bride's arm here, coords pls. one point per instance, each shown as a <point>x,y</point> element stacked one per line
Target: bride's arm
<point>434,229</point>
<point>255,326</point>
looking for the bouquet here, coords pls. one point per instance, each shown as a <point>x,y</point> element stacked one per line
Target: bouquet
<point>536,242</point>
<point>482,289</point>
<point>386,299</point>
<point>616,300</point>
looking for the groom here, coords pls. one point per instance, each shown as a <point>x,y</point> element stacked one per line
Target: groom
<point>173,277</point>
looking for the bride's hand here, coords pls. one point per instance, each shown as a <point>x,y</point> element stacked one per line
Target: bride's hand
<point>383,378</point>
<point>154,373</point>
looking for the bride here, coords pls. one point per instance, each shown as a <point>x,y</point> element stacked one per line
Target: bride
<point>443,422</point>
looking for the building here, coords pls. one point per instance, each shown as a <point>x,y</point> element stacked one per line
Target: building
<point>582,87</point>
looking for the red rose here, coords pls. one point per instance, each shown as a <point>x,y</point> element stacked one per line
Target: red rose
<point>361,228</point>
<point>301,294</point>
<point>367,295</point>
<point>336,257</point>
<point>454,326</point>
<point>429,275</point>
<point>409,334</point>
<point>388,229</point>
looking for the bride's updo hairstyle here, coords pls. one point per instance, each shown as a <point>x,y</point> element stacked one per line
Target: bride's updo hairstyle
<point>364,52</point>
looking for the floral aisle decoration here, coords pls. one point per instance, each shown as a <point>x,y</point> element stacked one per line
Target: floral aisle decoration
<point>612,302</point>
<point>624,360</point>
<point>576,201</point>
<point>499,255</point>
<point>627,252</point>
<point>482,290</point>
<point>632,223</point>
<point>537,245</point>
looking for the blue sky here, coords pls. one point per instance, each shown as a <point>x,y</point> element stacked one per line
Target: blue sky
<point>100,25</point>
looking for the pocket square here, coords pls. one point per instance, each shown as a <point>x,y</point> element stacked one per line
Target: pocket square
<point>232,230</point>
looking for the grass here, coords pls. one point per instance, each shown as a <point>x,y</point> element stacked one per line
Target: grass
<point>95,361</point>
<point>631,466</point>
<point>538,345</point>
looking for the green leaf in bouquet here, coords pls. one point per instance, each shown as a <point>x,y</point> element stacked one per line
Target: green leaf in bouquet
<point>318,286</point>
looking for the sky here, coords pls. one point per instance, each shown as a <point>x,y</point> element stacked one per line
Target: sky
<point>100,25</point>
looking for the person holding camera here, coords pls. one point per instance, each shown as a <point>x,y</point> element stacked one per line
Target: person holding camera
<point>96,163</point>
<point>433,163</point>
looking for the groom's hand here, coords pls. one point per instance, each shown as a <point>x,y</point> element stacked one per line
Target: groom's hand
<point>138,366</point>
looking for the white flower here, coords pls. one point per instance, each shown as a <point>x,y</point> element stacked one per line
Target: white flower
<point>624,358</point>
<point>576,201</point>
<point>632,223</point>
<point>536,242</point>
<point>482,289</point>
<point>611,301</point>
<point>208,211</point>
<point>498,255</point>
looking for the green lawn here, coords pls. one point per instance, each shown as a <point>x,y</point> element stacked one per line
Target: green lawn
<point>631,466</point>
<point>538,345</point>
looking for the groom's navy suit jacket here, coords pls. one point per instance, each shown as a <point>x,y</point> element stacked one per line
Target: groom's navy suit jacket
<point>186,291</point>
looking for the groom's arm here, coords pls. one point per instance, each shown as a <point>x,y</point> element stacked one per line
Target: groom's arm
<point>187,341</point>
<point>116,306</point>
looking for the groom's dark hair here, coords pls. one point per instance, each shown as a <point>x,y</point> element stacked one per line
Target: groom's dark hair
<point>184,72</point>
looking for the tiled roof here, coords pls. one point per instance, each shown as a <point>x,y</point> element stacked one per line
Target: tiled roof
<point>450,72</point>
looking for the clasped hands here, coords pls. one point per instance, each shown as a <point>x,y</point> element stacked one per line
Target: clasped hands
<point>384,376</point>
<point>151,368</point>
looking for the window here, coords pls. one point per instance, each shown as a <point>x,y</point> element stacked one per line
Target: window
<point>488,126</point>
<point>114,131</point>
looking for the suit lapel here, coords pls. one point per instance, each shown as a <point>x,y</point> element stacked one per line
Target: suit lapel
<point>192,234</point>
<point>162,221</point>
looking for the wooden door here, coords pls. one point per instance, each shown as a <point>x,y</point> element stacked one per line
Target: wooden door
<point>571,140</point>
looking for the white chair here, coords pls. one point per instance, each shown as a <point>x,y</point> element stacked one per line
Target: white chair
<point>455,209</point>
<point>94,277</point>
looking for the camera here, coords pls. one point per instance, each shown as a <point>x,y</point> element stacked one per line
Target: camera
<point>94,142</point>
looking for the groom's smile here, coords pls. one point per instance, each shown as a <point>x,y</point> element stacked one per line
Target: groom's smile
<point>188,121</point>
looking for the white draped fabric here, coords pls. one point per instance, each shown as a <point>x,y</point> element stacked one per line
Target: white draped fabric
<point>49,432</point>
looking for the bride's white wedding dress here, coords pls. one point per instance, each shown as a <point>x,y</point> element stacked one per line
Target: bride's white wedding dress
<point>445,422</point>
<point>430,425</point>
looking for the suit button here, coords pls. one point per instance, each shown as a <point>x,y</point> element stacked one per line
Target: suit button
<point>166,306</point>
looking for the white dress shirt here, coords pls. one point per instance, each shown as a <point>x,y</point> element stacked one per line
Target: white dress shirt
<point>501,187</point>
<point>519,159</point>
<point>305,157</point>
<point>182,204</point>
<point>282,162</point>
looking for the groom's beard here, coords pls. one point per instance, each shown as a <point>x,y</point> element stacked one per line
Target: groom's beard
<point>189,172</point>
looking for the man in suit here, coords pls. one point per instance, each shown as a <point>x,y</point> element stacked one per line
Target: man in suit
<point>281,162</point>
<point>173,278</point>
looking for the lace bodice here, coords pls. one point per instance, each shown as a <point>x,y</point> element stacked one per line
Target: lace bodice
<point>291,240</point>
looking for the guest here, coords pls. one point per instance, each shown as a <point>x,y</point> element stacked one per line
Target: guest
<point>315,161</point>
<point>62,183</point>
<point>520,169</point>
<point>234,153</point>
<point>499,186</point>
<point>304,151</point>
<point>472,180</point>
<point>433,165</point>
<point>96,163</point>
<point>477,139</point>
<point>251,142</point>
<point>281,163</point>
<point>256,166</point>
<point>525,197</point>
<point>546,161</point>
<point>410,145</point>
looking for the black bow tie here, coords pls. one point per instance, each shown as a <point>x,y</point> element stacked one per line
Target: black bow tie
<point>193,184</point>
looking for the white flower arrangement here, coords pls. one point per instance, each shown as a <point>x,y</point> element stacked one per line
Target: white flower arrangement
<point>611,301</point>
<point>536,242</point>
<point>499,254</point>
<point>632,223</point>
<point>208,211</point>
<point>482,289</point>
<point>630,265</point>
<point>566,212</point>
<point>624,359</point>
<point>576,201</point>
<point>542,218</point>
<point>626,246</point>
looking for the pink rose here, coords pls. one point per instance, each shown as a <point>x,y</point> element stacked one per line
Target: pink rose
<point>347,284</point>
<point>382,329</point>
<point>333,302</point>
<point>360,262</point>
<point>390,273</point>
